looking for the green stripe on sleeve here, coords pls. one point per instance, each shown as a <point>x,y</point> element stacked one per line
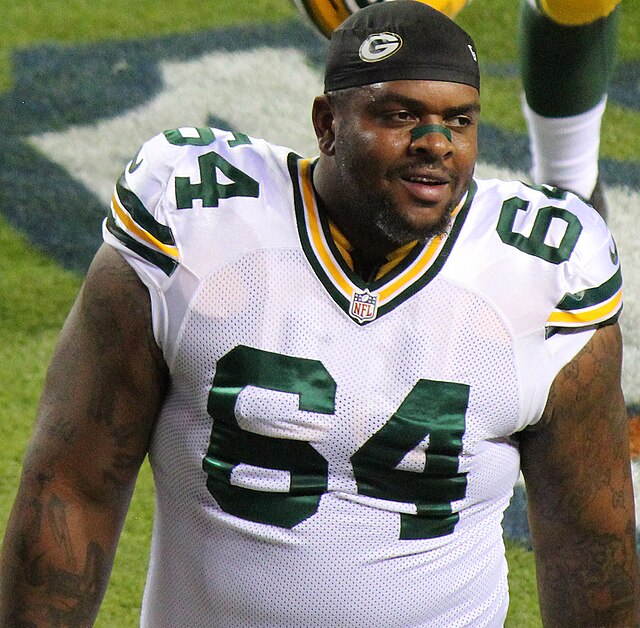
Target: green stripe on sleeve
<point>165,263</point>
<point>592,296</point>
<point>141,215</point>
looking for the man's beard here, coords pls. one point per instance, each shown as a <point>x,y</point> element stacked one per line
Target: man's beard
<point>374,216</point>
<point>396,229</point>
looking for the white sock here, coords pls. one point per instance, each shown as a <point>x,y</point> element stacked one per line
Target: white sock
<point>564,151</point>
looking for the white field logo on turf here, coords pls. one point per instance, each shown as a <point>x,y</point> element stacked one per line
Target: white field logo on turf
<point>244,78</point>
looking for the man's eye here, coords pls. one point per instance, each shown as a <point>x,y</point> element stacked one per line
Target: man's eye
<point>459,122</point>
<point>398,116</point>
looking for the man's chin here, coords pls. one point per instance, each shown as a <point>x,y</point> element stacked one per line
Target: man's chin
<point>399,230</point>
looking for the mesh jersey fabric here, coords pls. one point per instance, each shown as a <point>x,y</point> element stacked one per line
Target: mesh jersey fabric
<point>316,466</point>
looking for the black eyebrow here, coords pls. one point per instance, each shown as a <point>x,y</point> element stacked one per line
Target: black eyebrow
<point>471,108</point>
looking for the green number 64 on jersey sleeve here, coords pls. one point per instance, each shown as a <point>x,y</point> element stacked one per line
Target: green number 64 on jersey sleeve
<point>536,242</point>
<point>433,412</point>
<point>209,190</point>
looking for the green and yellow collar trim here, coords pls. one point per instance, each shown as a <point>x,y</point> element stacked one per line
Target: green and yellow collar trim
<point>365,301</point>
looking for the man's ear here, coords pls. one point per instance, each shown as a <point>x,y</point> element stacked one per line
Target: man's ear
<point>323,119</point>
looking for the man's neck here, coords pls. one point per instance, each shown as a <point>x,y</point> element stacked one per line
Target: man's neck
<point>363,261</point>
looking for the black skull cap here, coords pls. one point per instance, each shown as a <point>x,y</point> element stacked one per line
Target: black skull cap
<point>399,40</point>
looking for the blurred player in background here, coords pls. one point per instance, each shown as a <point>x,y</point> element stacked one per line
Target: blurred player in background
<point>567,54</point>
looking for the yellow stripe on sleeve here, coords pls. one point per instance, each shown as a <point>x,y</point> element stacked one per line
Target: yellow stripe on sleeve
<point>134,228</point>
<point>588,316</point>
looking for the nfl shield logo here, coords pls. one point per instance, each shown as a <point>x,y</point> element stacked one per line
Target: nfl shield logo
<point>364,306</point>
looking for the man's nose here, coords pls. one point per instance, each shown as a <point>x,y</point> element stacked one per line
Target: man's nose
<point>432,138</point>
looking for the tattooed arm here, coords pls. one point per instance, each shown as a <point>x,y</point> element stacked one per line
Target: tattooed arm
<point>577,470</point>
<point>102,393</point>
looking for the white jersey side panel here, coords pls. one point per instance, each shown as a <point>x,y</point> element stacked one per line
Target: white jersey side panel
<point>333,453</point>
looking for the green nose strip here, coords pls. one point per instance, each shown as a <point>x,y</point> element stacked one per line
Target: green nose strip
<point>419,131</point>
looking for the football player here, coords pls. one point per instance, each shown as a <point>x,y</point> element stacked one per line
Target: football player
<point>567,55</point>
<point>338,367</point>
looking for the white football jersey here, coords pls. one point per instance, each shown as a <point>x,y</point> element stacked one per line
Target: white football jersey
<point>336,453</point>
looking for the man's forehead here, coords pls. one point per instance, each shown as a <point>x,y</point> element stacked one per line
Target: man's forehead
<point>419,91</point>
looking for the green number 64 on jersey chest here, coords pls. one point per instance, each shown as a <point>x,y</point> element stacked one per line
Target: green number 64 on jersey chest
<point>432,410</point>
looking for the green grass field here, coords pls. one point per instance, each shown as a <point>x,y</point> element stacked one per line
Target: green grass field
<point>36,293</point>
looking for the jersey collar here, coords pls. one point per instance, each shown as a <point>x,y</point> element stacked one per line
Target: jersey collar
<point>365,301</point>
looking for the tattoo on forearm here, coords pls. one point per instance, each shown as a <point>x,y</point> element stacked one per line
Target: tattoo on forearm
<point>60,530</point>
<point>581,504</point>
<point>597,590</point>
<point>66,593</point>
<point>71,596</point>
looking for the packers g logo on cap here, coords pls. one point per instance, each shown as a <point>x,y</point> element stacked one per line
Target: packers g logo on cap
<point>379,46</point>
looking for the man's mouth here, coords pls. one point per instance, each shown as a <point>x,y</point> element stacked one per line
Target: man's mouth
<point>426,178</point>
<point>427,187</point>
